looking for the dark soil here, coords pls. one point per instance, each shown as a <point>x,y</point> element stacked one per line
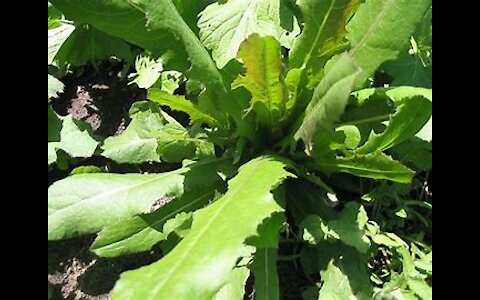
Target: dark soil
<point>102,99</point>
<point>293,280</point>
<point>76,274</point>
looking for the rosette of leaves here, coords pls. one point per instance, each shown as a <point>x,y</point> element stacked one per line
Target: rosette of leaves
<point>280,125</point>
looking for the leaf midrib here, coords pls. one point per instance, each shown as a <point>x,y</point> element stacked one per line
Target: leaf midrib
<point>319,33</point>
<point>380,17</point>
<point>200,235</point>
<point>376,171</point>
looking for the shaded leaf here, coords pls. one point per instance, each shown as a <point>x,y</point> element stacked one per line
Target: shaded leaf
<point>190,10</point>
<point>88,44</point>
<point>409,70</point>
<point>329,100</point>
<point>415,152</point>
<point>343,271</point>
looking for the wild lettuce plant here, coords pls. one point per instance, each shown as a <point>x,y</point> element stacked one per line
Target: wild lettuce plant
<point>281,107</point>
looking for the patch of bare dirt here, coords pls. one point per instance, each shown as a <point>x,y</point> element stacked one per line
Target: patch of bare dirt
<point>77,274</point>
<point>102,99</point>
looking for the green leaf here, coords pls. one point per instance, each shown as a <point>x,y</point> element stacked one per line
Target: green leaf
<point>225,25</point>
<point>179,103</point>
<point>388,239</point>
<point>55,87</point>
<point>375,165</point>
<point>148,71</point>
<point>264,79</point>
<point>264,268</point>
<point>87,203</point>
<point>397,94</point>
<point>381,29</point>
<point>87,169</point>
<point>329,100</point>
<point>323,34</point>
<point>411,115</point>
<point>175,143</point>
<point>70,135</point>
<point>264,265</point>
<point>88,44</point>
<point>139,142</point>
<point>205,257</point>
<point>148,138</point>
<point>409,70</point>
<point>56,38</point>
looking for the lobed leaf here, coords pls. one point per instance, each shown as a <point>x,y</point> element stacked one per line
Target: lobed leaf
<point>264,79</point>
<point>375,165</point>
<point>411,116</point>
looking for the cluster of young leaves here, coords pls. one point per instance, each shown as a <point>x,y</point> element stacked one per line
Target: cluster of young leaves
<point>282,107</point>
